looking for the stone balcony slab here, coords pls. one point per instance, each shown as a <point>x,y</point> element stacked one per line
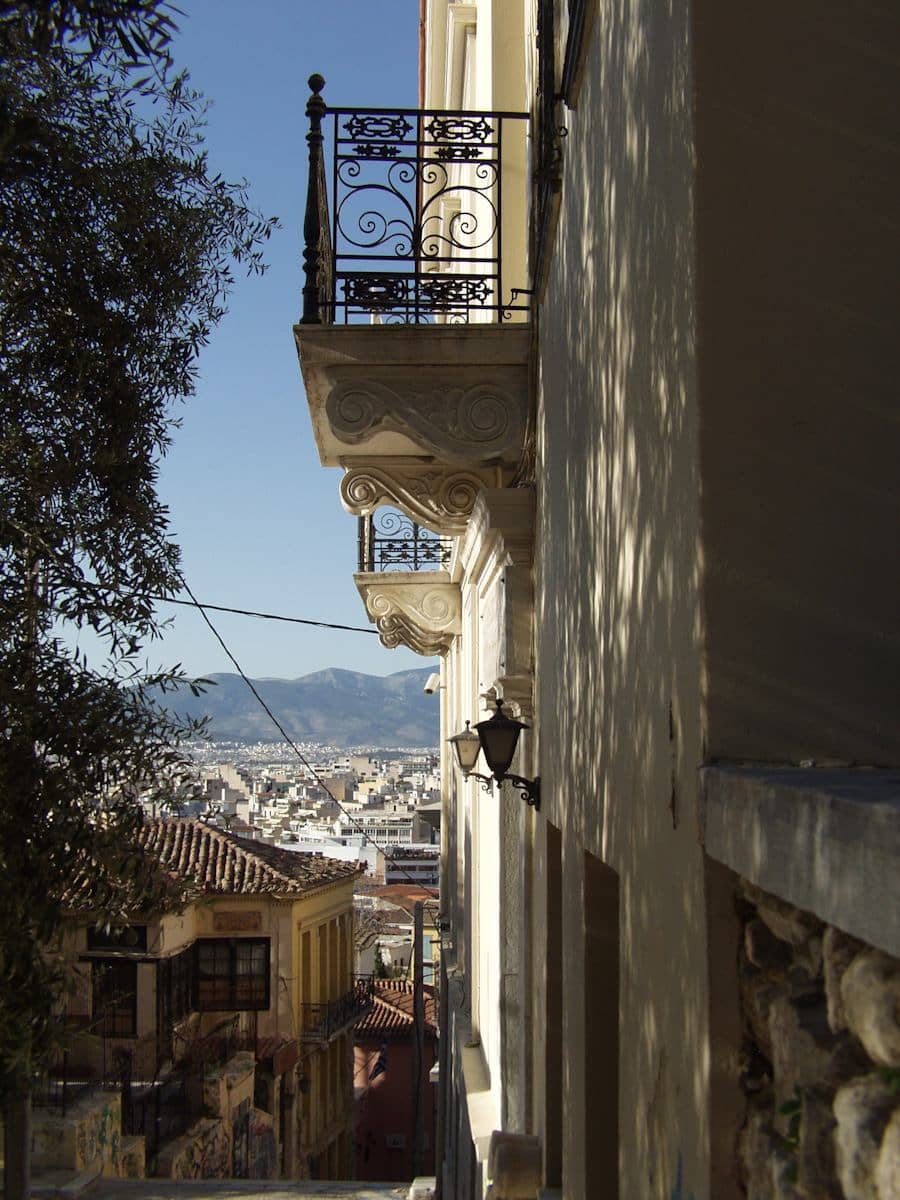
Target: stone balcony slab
<point>455,395</point>
<point>420,610</point>
<point>826,840</point>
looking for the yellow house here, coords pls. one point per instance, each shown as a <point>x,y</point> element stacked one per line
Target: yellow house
<point>224,1031</point>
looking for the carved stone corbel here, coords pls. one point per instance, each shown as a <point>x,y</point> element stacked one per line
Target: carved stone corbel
<point>423,612</point>
<point>440,498</point>
<point>473,419</point>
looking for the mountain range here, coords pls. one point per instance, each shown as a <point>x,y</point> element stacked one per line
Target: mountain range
<point>334,707</point>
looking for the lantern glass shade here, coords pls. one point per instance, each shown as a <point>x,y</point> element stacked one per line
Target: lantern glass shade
<point>467,746</point>
<point>499,736</point>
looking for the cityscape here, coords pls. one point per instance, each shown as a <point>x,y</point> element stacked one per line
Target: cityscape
<point>382,813</point>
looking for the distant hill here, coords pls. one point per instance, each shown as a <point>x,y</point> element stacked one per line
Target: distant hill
<point>341,708</point>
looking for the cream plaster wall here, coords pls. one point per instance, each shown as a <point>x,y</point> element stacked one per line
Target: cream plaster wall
<point>798,251</point>
<point>618,627</point>
<point>474,57</point>
<point>485,865</point>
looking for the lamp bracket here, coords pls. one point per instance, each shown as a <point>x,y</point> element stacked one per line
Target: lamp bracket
<point>486,781</point>
<point>529,789</point>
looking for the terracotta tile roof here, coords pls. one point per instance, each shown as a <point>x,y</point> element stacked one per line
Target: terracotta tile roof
<point>403,893</point>
<point>221,862</point>
<point>392,1013</point>
<point>368,927</point>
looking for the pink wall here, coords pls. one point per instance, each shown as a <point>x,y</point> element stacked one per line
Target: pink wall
<point>385,1111</point>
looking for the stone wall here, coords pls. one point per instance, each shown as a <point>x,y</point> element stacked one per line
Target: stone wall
<point>87,1138</point>
<point>204,1152</point>
<point>233,1140</point>
<point>821,1058</point>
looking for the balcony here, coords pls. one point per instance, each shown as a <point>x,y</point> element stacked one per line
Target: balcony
<point>414,231</point>
<point>323,1022</point>
<point>414,339</point>
<point>404,583</point>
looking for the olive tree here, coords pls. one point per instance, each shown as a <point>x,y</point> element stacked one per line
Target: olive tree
<point>117,255</point>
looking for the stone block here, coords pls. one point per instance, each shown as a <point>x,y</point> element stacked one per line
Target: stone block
<point>759,991</point>
<point>764,949</point>
<point>797,1060</point>
<point>805,1053</point>
<point>755,1151</point>
<point>514,1165</point>
<point>838,951</point>
<point>862,1109</point>
<point>808,956</point>
<point>870,993</point>
<point>815,1154</point>
<point>887,1165</point>
<point>791,925</point>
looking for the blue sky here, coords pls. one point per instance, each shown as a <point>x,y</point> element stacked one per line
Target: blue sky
<point>258,519</point>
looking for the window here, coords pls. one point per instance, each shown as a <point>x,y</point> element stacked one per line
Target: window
<point>132,937</point>
<point>114,985</point>
<point>232,973</point>
<point>175,988</point>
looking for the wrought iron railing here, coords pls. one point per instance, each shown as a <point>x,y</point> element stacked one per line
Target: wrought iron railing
<point>158,1111</point>
<point>322,1022</point>
<point>390,541</point>
<point>216,1047</point>
<point>93,1063</point>
<point>414,230</point>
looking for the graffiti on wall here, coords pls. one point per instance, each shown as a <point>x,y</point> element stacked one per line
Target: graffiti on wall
<point>97,1137</point>
<point>205,1156</point>
<point>133,1161</point>
<point>263,1148</point>
<point>240,1135</point>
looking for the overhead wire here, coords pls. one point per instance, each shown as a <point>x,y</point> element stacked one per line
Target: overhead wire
<point>249,612</point>
<point>292,744</point>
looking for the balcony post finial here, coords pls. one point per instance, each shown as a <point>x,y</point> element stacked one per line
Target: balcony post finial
<point>315,196</point>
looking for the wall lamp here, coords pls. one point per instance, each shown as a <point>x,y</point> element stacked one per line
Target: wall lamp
<point>497,737</point>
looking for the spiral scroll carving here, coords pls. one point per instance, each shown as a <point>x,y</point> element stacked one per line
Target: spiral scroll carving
<point>432,608</point>
<point>438,499</point>
<point>471,423</point>
<point>396,631</point>
<point>424,617</point>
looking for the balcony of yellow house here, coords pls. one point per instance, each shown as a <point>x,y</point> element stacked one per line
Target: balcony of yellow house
<point>414,340</point>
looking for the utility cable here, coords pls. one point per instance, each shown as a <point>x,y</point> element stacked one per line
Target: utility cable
<point>248,612</point>
<point>290,741</point>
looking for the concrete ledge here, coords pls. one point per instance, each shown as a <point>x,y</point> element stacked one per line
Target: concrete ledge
<point>62,1184</point>
<point>824,840</point>
<point>476,1089</point>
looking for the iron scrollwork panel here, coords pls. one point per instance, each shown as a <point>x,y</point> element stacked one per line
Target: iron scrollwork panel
<point>416,214</point>
<point>390,541</point>
<point>415,206</point>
